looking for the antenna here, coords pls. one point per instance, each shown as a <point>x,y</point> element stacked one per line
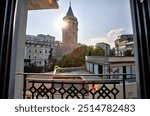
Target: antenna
<point>70,2</point>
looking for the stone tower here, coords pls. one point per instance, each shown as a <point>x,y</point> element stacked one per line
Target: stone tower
<point>69,32</point>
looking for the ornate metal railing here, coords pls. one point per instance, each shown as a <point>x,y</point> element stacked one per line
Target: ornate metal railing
<point>74,87</point>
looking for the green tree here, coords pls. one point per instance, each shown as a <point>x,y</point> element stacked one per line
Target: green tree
<point>77,57</point>
<point>98,52</point>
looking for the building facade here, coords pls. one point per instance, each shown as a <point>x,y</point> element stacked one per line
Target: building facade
<point>115,65</point>
<point>104,46</point>
<point>69,32</point>
<point>124,45</point>
<point>38,49</point>
<point>57,49</point>
<point>110,65</point>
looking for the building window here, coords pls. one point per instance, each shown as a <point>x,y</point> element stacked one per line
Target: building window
<point>40,56</point>
<point>29,56</point>
<point>40,51</point>
<point>39,62</point>
<point>35,50</point>
<point>35,57</point>
<point>29,51</point>
<point>45,51</point>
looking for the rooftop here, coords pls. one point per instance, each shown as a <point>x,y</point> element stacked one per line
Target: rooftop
<point>70,12</point>
<point>107,60</point>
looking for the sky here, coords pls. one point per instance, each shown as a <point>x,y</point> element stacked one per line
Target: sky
<point>99,20</point>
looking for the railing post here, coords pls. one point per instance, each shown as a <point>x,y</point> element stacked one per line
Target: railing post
<point>24,85</point>
<point>124,87</point>
<point>124,83</point>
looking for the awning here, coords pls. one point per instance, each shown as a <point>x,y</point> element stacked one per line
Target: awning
<point>42,4</point>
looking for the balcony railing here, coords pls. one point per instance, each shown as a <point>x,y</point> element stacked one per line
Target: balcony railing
<point>108,86</point>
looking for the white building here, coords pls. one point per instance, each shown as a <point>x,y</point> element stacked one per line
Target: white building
<point>104,46</point>
<point>38,49</point>
<point>57,49</point>
<point>110,65</point>
<point>124,45</point>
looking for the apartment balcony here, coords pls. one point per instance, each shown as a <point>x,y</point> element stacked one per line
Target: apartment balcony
<point>58,86</point>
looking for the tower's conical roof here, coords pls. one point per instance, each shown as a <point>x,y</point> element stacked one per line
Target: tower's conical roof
<point>70,12</point>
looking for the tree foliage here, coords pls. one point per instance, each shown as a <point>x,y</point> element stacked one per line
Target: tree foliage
<point>77,57</point>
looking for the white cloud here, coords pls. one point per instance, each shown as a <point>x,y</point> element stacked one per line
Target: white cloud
<point>115,32</point>
<point>109,38</point>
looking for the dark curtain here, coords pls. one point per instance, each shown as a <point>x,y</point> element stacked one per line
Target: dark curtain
<point>7,11</point>
<point>140,10</point>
